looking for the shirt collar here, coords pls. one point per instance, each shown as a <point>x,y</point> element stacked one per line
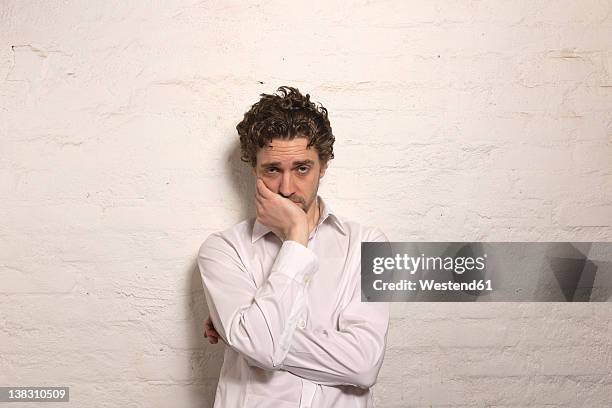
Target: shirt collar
<point>259,229</point>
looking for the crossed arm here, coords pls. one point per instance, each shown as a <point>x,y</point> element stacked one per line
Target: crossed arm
<point>260,323</point>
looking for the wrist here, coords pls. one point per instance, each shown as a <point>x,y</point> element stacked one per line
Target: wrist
<point>298,233</point>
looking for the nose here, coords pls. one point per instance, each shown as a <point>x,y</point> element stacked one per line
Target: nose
<point>286,185</point>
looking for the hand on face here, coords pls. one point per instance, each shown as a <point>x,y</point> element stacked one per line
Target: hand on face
<point>285,217</point>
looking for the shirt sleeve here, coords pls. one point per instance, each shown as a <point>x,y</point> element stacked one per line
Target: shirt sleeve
<point>256,322</point>
<point>351,355</point>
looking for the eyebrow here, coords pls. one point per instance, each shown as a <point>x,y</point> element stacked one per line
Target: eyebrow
<point>295,163</point>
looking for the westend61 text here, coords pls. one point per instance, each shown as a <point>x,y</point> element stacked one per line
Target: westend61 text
<point>430,285</point>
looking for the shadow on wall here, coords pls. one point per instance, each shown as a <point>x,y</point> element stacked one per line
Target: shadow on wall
<point>243,181</point>
<point>207,361</point>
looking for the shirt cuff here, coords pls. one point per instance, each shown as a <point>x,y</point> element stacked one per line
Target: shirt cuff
<point>296,261</point>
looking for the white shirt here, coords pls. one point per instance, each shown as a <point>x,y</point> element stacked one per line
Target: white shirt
<point>297,332</point>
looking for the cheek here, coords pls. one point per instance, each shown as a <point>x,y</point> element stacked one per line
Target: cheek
<point>308,183</point>
<point>271,181</point>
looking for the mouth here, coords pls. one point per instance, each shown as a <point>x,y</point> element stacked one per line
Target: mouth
<point>298,201</point>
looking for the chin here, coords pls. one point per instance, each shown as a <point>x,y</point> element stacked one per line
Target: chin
<point>307,207</point>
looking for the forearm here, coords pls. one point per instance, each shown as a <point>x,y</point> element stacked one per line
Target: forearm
<point>260,331</point>
<point>351,356</point>
<point>259,324</point>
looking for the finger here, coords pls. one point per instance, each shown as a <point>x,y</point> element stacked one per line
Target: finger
<point>259,200</point>
<point>263,189</point>
<point>259,189</point>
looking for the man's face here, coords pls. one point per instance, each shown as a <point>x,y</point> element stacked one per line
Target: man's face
<point>290,169</point>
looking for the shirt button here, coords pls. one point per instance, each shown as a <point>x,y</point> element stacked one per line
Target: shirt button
<point>307,279</point>
<point>302,324</point>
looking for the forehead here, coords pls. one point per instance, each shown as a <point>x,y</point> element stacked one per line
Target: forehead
<point>283,150</point>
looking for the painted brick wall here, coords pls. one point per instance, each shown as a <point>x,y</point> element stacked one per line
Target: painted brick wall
<point>455,120</point>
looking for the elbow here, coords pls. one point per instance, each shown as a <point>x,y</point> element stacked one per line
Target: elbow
<point>261,360</point>
<point>365,378</point>
<point>366,374</point>
<point>256,346</point>
<point>256,354</point>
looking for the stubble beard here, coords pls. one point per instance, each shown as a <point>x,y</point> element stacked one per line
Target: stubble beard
<point>313,199</point>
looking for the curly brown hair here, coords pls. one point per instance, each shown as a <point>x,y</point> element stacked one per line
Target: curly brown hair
<point>285,116</point>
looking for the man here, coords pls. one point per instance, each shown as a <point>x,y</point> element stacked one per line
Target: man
<point>283,289</point>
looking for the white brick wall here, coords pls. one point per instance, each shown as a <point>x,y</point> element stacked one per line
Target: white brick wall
<point>464,120</point>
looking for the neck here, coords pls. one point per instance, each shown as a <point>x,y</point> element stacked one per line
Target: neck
<point>313,215</point>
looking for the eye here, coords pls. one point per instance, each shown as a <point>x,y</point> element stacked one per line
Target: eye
<point>271,170</point>
<point>303,169</point>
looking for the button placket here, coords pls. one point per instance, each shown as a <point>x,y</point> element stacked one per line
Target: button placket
<point>301,323</point>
